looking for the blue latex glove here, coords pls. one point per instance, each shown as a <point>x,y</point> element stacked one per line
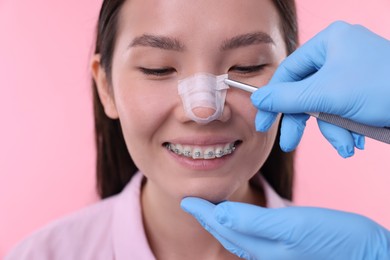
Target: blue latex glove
<point>302,233</point>
<point>343,70</point>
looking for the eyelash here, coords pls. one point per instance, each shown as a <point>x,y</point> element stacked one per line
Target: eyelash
<point>248,69</point>
<point>166,71</point>
<point>157,72</point>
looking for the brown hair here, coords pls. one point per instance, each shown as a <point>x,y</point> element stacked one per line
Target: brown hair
<point>115,167</point>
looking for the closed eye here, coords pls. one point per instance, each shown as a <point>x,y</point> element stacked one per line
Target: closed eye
<point>157,71</point>
<point>247,69</point>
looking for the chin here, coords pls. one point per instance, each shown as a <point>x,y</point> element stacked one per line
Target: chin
<point>213,193</point>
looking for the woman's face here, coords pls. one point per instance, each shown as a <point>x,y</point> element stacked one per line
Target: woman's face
<point>160,42</point>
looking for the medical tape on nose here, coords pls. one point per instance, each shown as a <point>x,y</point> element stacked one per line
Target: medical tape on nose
<point>203,90</point>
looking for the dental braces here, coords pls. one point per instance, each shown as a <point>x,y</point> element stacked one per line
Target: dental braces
<point>198,154</point>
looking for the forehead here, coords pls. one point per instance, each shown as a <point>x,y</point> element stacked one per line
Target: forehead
<point>198,19</point>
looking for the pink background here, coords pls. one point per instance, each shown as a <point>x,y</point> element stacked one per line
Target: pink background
<point>46,133</point>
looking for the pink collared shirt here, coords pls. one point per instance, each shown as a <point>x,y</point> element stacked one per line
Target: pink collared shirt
<point>109,229</point>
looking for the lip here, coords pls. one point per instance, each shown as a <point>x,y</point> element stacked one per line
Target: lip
<point>202,141</point>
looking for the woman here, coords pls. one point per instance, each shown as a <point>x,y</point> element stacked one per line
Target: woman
<point>143,49</point>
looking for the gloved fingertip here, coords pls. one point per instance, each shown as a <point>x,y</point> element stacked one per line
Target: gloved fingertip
<point>187,204</point>
<point>359,141</point>
<point>264,121</point>
<point>290,142</point>
<point>191,204</point>
<point>286,149</point>
<point>292,128</point>
<point>341,139</point>
<point>261,127</point>
<point>221,214</point>
<point>259,99</point>
<point>346,151</point>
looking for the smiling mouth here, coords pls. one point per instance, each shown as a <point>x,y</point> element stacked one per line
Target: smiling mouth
<point>202,152</point>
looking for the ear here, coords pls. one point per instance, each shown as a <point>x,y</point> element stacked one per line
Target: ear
<point>105,92</point>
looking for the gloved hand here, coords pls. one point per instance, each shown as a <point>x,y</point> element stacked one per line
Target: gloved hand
<point>253,232</point>
<point>343,70</point>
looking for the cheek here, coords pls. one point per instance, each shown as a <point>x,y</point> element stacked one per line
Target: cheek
<point>260,148</point>
<point>136,112</point>
<point>142,114</point>
<point>268,138</point>
<point>243,112</point>
<point>143,109</point>
<point>259,144</point>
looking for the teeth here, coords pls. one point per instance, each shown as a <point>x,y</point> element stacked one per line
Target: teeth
<point>209,153</point>
<point>187,151</point>
<point>178,149</point>
<point>197,153</point>
<point>219,152</point>
<point>228,149</point>
<point>201,153</point>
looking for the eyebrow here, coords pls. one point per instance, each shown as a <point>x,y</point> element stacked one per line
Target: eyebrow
<point>168,43</point>
<point>246,40</point>
<point>156,41</point>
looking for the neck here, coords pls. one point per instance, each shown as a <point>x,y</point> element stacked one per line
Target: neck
<point>174,234</point>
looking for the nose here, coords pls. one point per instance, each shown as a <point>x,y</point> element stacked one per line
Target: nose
<point>203,96</point>
<point>209,114</point>
<point>203,112</point>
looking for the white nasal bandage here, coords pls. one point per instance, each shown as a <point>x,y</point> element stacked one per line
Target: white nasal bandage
<point>203,96</point>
